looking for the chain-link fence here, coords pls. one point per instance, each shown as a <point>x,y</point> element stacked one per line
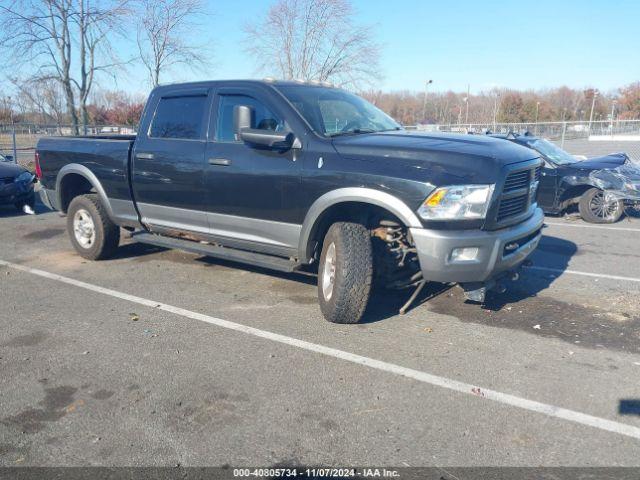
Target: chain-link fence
<point>556,131</point>
<point>578,138</point>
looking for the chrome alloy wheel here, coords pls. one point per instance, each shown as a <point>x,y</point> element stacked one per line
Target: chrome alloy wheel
<point>84,229</point>
<point>603,208</point>
<point>329,272</point>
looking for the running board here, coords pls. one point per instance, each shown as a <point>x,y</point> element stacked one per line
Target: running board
<point>251,258</point>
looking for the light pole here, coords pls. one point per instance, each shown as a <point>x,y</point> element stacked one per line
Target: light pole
<point>537,112</point>
<point>495,110</point>
<point>424,101</point>
<point>466,101</point>
<point>613,114</point>
<point>593,104</point>
<point>13,131</point>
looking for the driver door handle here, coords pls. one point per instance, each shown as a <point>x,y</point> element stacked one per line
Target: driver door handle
<point>224,162</point>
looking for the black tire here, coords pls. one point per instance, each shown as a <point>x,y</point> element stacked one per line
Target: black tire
<point>352,272</point>
<point>605,213</point>
<point>106,238</point>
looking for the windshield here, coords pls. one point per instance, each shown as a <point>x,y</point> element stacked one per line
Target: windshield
<point>3,159</point>
<point>552,152</point>
<point>332,112</point>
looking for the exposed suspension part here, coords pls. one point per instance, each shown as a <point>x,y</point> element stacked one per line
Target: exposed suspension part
<point>396,261</point>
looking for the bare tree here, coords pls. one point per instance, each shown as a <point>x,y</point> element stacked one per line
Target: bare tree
<point>42,100</point>
<point>57,36</point>
<point>96,23</point>
<point>314,40</point>
<point>165,36</point>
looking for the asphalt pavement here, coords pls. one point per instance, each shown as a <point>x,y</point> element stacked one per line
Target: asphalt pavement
<point>160,357</point>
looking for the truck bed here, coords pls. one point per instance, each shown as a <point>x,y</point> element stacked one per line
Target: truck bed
<point>107,157</point>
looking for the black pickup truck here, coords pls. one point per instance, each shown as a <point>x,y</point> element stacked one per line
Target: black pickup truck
<point>291,176</point>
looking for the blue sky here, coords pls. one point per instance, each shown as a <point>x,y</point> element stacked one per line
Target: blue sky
<point>521,45</point>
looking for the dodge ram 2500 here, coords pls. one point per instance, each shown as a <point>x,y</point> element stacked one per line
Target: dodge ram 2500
<point>292,176</point>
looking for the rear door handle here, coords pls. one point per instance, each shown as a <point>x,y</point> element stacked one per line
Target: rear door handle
<point>144,156</point>
<point>220,161</point>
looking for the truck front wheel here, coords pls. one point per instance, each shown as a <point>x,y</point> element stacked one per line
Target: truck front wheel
<point>345,272</point>
<point>93,235</point>
<point>594,207</point>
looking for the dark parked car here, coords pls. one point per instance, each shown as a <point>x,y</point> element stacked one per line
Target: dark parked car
<point>16,184</point>
<point>294,176</point>
<point>567,181</point>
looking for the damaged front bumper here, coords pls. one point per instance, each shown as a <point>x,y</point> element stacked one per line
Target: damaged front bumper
<point>476,257</point>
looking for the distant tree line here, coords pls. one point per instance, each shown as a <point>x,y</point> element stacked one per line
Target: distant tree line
<point>508,105</point>
<point>43,103</point>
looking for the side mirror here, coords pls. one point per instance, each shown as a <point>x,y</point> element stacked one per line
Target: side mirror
<point>267,138</point>
<point>242,116</point>
<point>9,158</point>
<point>242,121</point>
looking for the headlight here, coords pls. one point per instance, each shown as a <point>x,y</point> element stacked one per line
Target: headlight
<point>457,202</point>
<point>24,177</point>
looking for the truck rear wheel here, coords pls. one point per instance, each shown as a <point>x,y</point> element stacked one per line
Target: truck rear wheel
<point>345,272</point>
<point>595,208</point>
<point>93,235</point>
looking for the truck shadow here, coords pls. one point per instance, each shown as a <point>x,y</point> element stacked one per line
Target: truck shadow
<point>552,253</point>
<point>385,304</point>
<point>136,250</point>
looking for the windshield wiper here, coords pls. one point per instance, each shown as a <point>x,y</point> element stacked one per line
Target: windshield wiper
<point>354,131</point>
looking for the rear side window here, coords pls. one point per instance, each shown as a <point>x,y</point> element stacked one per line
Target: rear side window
<point>179,117</point>
<point>263,118</point>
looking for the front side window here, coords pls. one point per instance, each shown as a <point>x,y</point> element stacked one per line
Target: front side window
<point>332,112</point>
<point>179,117</point>
<point>262,118</point>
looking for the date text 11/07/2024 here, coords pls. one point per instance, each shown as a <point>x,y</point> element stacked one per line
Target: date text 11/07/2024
<point>316,472</point>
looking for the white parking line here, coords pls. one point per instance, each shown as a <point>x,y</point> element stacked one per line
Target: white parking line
<point>602,227</point>
<point>585,274</point>
<point>424,377</point>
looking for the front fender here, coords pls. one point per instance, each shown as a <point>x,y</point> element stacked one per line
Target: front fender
<point>352,194</point>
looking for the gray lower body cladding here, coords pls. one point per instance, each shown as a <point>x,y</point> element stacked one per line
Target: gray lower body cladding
<point>48,197</point>
<point>496,252</point>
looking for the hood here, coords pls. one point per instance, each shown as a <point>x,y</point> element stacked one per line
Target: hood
<point>8,169</point>
<point>441,157</point>
<point>612,160</point>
